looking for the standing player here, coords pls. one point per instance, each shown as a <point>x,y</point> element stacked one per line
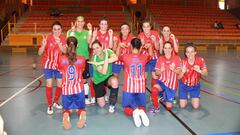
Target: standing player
<point>52,47</point>
<point>192,68</point>
<point>134,85</point>
<point>168,36</point>
<point>72,68</point>
<point>84,38</point>
<point>105,36</point>
<point>122,45</point>
<point>102,75</point>
<point>167,67</point>
<point>150,37</point>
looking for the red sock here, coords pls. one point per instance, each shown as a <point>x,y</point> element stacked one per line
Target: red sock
<point>67,111</point>
<point>49,95</point>
<point>128,111</point>
<point>79,111</point>
<point>58,93</point>
<point>153,82</point>
<point>154,97</point>
<point>92,89</point>
<point>142,108</point>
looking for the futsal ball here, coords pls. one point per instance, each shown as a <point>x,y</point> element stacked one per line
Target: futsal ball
<point>34,66</point>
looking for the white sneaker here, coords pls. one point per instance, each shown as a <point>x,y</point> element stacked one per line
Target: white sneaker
<point>50,110</point>
<point>93,100</point>
<point>136,118</point>
<point>111,109</point>
<point>87,101</point>
<point>58,106</point>
<point>106,99</point>
<point>144,118</point>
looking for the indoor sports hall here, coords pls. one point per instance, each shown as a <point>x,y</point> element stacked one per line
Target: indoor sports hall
<point>23,104</point>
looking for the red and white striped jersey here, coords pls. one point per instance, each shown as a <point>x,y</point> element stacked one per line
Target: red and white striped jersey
<point>52,52</point>
<point>134,72</point>
<point>168,77</point>
<point>145,40</point>
<point>126,50</point>
<point>192,77</point>
<point>72,81</point>
<point>170,40</point>
<point>103,39</point>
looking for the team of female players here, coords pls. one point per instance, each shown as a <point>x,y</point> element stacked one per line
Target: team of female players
<point>69,60</point>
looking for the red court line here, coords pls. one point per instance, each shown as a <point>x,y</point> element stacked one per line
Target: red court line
<point>39,85</point>
<point>205,91</point>
<point>221,85</point>
<point>222,97</point>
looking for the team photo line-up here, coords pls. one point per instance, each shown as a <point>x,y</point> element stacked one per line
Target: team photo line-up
<point>87,62</point>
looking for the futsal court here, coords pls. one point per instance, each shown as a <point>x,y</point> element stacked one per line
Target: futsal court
<point>23,103</point>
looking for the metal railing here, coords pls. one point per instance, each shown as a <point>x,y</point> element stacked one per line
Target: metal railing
<point>4,32</point>
<point>7,27</point>
<point>12,27</point>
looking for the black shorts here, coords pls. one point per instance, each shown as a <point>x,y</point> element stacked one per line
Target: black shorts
<point>100,89</point>
<point>86,73</point>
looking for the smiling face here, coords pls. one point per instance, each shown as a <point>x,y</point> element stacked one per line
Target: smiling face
<point>97,49</point>
<point>167,49</point>
<point>103,25</point>
<point>190,52</point>
<point>166,31</point>
<point>57,30</point>
<point>146,27</point>
<point>125,30</point>
<point>80,22</point>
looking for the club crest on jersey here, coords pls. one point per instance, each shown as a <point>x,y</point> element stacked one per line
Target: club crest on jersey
<point>79,62</point>
<point>64,61</point>
<point>168,62</point>
<point>136,60</point>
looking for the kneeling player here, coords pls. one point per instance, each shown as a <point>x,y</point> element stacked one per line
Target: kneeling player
<point>134,85</point>
<point>73,96</point>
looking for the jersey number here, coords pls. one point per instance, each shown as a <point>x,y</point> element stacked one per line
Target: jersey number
<point>136,69</point>
<point>71,72</point>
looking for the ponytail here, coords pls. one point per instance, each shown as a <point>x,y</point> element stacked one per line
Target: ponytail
<point>71,50</point>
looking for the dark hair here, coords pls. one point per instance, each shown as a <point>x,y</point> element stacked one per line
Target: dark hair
<point>103,18</point>
<point>189,45</point>
<point>57,23</point>
<point>166,26</point>
<point>147,21</point>
<point>121,32</point>
<point>167,42</point>
<point>136,43</point>
<point>71,50</point>
<point>97,42</point>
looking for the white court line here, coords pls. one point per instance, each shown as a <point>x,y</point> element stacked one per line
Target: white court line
<point>20,91</point>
